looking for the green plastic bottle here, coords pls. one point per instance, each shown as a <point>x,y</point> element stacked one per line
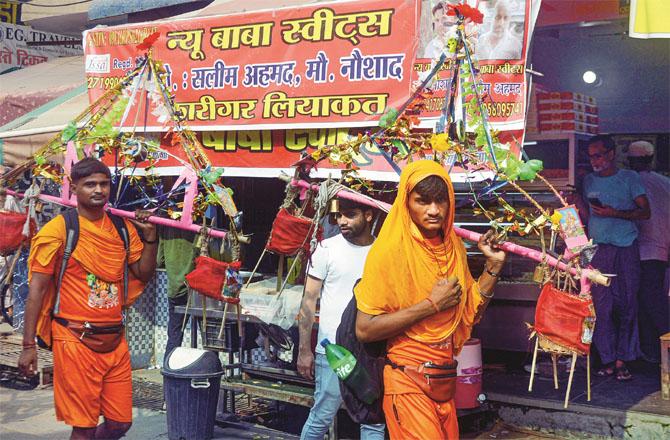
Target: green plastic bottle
<point>339,358</point>
<point>343,364</point>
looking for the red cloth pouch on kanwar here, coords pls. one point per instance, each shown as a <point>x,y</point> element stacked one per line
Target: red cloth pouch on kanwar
<point>11,231</point>
<point>565,319</point>
<point>289,234</point>
<point>209,277</point>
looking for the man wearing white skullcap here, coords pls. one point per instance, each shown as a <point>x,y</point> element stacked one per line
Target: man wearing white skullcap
<point>654,241</point>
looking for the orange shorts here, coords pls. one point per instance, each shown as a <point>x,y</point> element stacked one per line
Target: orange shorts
<point>414,416</point>
<point>89,384</point>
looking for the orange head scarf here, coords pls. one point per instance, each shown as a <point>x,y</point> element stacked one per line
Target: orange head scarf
<point>402,266</point>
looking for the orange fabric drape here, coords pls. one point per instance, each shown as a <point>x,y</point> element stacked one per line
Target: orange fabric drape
<point>402,267</point>
<point>100,252</point>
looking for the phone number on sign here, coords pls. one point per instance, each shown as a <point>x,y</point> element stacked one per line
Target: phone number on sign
<point>503,109</point>
<point>104,83</point>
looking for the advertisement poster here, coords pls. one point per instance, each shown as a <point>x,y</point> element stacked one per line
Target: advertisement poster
<point>329,64</point>
<point>499,49</point>
<point>15,52</point>
<point>260,88</point>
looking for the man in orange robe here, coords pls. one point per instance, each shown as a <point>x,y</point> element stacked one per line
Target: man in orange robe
<point>87,383</point>
<point>418,294</point>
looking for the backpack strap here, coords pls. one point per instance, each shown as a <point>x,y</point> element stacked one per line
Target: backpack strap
<point>71,217</point>
<point>122,230</point>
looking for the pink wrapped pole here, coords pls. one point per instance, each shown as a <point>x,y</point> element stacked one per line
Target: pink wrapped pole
<point>127,214</point>
<point>590,274</point>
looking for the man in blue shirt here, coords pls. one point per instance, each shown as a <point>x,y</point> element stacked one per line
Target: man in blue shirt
<point>616,199</point>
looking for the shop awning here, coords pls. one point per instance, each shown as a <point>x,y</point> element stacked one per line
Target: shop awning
<point>51,16</point>
<point>111,8</point>
<point>25,90</point>
<point>50,8</point>
<point>36,103</point>
<point>20,143</point>
<point>225,7</point>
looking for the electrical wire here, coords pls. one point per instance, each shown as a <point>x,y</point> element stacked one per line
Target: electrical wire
<point>48,6</point>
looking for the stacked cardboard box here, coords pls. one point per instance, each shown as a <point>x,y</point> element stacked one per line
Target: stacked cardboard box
<point>532,117</point>
<point>560,112</point>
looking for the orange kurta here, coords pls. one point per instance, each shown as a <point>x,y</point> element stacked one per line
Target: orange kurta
<point>99,252</point>
<point>87,384</point>
<point>400,271</point>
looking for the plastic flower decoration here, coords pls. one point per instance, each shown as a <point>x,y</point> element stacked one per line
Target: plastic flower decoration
<point>556,218</point>
<point>467,11</point>
<point>440,142</point>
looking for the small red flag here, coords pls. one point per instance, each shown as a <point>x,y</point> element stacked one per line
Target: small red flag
<point>149,41</point>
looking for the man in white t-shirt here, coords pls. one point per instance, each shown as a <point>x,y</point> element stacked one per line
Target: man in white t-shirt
<point>654,241</point>
<point>336,265</point>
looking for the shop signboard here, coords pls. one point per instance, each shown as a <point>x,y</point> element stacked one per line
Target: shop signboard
<point>323,65</point>
<point>268,153</point>
<point>15,52</point>
<point>262,88</point>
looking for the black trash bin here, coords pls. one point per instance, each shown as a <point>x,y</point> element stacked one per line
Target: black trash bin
<point>191,379</point>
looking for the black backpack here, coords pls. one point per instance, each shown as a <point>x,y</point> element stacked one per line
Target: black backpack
<point>371,356</point>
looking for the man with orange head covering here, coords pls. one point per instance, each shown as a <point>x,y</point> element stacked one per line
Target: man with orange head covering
<point>83,322</point>
<point>418,294</point>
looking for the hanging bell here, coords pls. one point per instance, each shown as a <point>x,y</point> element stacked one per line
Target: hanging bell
<point>333,210</point>
<point>334,206</point>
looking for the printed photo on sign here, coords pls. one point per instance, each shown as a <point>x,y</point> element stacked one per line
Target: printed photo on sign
<point>498,33</point>
<point>572,229</point>
<point>442,28</point>
<point>499,37</point>
<point>501,33</point>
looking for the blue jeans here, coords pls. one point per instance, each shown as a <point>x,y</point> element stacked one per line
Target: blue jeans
<point>653,316</point>
<point>175,321</point>
<point>327,401</point>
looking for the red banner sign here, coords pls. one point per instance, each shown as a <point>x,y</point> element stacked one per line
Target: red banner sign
<point>337,64</point>
<point>264,87</point>
<point>267,153</point>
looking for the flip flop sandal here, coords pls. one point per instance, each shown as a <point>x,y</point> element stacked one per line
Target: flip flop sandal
<point>605,371</point>
<point>622,374</point>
